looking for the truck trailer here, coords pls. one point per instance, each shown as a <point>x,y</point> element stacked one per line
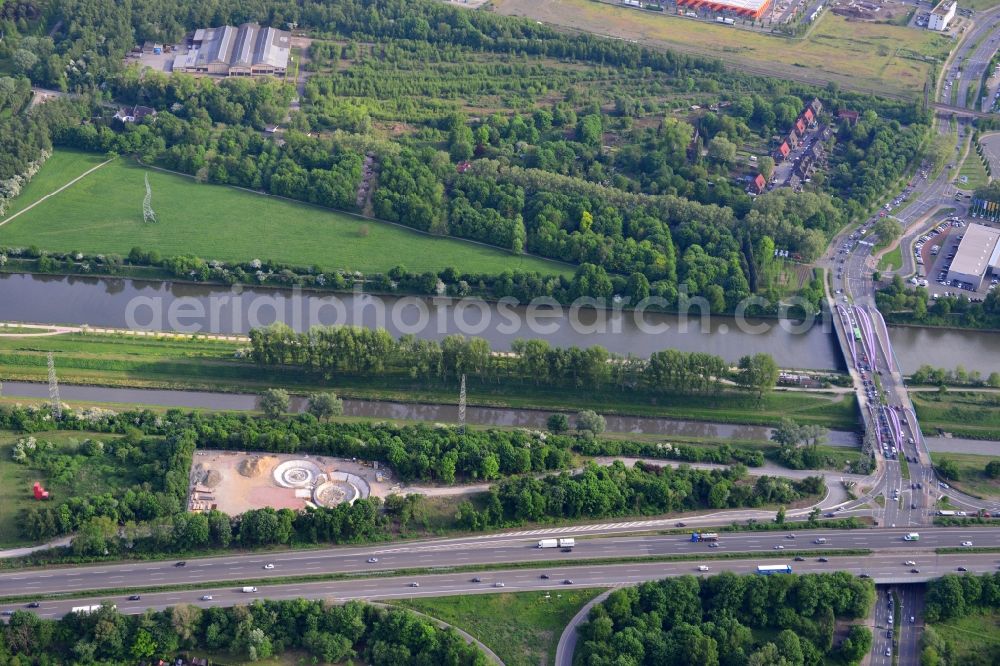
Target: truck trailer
<point>548,543</point>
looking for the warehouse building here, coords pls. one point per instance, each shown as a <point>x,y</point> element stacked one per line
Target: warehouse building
<point>942,15</point>
<point>978,254</point>
<point>248,50</point>
<point>752,9</point>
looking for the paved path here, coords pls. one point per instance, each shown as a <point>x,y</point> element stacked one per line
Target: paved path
<point>28,550</point>
<point>52,194</point>
<point>567,641</point>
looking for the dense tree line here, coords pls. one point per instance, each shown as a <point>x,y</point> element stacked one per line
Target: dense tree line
<point>334,350</point>
<point>259,631</point>
<point>618,490</point>
<point>713,621</point>
<point>913,305</point>
<point>952,597</point>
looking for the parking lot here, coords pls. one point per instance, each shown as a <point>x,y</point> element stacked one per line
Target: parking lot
<point>935,250</point>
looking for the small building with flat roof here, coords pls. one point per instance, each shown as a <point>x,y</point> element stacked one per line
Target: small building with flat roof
<point>976,255</point>
<point>942,15</point>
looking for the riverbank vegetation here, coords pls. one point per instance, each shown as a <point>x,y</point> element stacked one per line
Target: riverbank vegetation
<point>522,628</point>
<point>249,633</point>
<point>970,414</point>
<point>220,365</point>
<point>755,619</point>
<point>904,305</point>
<point>96,216</point>
<point>482,127</point>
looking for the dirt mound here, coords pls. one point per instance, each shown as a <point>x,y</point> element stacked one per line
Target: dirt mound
<point>212,478</point>
<point>254,467</point>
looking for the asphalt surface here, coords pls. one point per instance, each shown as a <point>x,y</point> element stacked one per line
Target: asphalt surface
<point>453,553</point>
<point>887,568</point>
<point>973,56</point>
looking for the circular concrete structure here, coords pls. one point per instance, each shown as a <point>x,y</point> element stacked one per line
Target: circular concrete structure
<point>340,487</point>
<point>296,474</point>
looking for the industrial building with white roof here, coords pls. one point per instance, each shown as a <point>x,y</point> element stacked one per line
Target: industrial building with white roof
<point>977,255</point>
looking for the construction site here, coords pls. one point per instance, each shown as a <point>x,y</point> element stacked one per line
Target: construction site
<point>234,482</point>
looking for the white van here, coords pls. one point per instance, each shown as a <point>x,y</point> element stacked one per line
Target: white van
<point>820,540</point>
<point>249,589</point>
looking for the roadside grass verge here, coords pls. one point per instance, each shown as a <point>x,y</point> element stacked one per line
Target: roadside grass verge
<point>971,414</point>
<point>416,571</point>
<point>892,260</point>
<point>974,171</point>
<point>203,364</point>
<point>522,628</point>
<point>972,468</point>
<point>101,214</point>
<point>973,639</point>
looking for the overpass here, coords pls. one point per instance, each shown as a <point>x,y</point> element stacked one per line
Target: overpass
<point>960,111</point>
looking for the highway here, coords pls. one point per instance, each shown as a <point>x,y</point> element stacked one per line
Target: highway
<point>887,568</point>
<point>456,553</point>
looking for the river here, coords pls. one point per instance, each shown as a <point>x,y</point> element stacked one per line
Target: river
<point>434,413</point>
<point>186,307</point>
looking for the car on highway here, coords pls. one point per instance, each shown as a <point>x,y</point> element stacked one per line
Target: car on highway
<point>912,619</point>
<point>909,563</point>
<point>914,570</point>
<point>702,567</point>
<point>268,566</point>
<point>206,597</point>
<point>800,559</point>
<point>681,525</point>
<point>822,559</point>
<point>967,543</point>
<point>414,584</point>
<point>566,550</point>
<point>34,604</point>
<point>713,545</point>
<point>477,579</point>
<point>779,547</point>
<point>962,569</point>
<point>499,583</point>
<point>7,613</point>
<point>567,582</point>
<point>544,576</point>
<point>134,597</point>
<point>789,536</point>
<point>181,564</point>
<point>372,560</point>
<point>888,651</point>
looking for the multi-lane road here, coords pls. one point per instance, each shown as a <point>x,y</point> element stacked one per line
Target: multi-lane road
<point>496,550</point>
<point>882,567</point>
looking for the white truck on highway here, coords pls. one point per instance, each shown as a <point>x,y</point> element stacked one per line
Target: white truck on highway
<point>912,536</point>
<point>568,542</point>
<point>89,609</point>
<point>248,590</point>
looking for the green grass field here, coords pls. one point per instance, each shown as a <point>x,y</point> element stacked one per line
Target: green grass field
<point>523,628</point>
<point>103,214</point>
<point>891,259</point>
<point>974,639</point>
<point>868,56</point>
<point>972,467</point>
<point>973,169</point>
<point>962,413</point>
<point>16,480</point>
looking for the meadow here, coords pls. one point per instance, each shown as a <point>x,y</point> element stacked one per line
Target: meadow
<point>523,628</point>
<point>102,213</point>
<point>857,55</point>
